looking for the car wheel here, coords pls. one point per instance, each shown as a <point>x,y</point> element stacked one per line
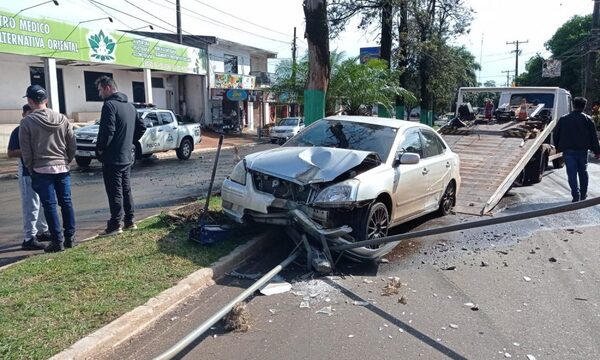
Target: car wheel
<point>185,149</point>
<point>83,161</point>
<point>374,225</point>
<point>448,199</point>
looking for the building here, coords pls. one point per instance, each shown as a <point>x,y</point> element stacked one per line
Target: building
<point>67,58</point>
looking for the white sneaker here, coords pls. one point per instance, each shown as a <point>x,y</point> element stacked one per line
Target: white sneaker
<point>110,232</point>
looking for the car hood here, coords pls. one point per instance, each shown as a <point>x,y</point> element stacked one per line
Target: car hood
<point>88,130</point>
<point>306,165</point>
<point>287,128</point>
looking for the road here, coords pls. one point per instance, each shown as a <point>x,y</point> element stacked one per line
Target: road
<point>157,185</point>
<point>535,285</point>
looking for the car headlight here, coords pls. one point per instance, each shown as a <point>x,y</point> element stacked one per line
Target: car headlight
<point>343,192</point>
<point>238,174</point>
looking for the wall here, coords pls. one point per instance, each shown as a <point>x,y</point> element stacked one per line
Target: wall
<point>15,79</point>
<point>195,96</point>
<point>216,56</point>
<point>258,63</point>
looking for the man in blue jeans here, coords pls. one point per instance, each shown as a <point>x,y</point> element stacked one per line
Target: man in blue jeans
<point>48,147</point>
<point>34,225</point>
<point>574,135</point>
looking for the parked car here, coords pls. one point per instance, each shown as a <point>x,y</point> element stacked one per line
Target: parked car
<point>164,132</point>
<point>285,129</point>
<point>368,173</point>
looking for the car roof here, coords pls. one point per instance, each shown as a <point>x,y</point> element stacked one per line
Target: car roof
<point>389,122</point>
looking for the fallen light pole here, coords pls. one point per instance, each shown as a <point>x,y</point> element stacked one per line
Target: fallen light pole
<point>471,225</point>
<point>183,343</point>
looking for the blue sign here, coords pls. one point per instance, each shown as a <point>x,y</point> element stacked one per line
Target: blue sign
<point>237,95</point>
<point>369,53</point>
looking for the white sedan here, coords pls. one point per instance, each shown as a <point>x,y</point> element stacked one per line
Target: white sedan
<point>367,173</point>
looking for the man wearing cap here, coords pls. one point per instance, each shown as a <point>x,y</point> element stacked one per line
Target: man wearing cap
<point>34,226</point>
<point>48,147</point>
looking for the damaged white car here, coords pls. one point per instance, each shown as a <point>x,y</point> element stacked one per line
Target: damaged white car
<point>364,173</point>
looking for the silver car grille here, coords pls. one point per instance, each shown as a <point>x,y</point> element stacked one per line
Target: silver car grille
<point>281,189</point>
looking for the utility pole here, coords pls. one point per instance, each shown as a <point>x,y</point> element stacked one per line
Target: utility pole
<point>294,102</point>
<point>591,78</point>
<point>178,9</point>
<point>516,51</point>
<point>507,72</point>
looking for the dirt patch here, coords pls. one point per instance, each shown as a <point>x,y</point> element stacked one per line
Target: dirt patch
<point>192,212</point>
<point>238,319</point>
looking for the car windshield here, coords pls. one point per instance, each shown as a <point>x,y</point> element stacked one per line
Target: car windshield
<point>288,122</point>
<point>347,135</point>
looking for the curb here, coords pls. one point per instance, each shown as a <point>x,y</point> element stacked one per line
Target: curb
<point>143,316</point>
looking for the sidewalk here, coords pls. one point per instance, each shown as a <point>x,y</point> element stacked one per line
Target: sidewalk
<point>210,140</point>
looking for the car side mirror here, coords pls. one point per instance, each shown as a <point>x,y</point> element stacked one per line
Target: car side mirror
<point>406,158</point>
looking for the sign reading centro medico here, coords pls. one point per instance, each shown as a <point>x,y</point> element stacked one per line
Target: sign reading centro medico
<point>51,38</point>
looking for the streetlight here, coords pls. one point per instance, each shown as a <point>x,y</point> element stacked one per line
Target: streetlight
<point>132,30</point>
<point>31,7</point>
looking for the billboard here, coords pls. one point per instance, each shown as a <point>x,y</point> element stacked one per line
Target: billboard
<point>369,53</point>
<point>52,38</point>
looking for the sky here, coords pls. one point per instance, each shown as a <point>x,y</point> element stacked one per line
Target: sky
<point>269,24</point>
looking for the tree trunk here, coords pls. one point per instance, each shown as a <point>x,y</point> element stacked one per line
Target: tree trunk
<point>386,43</point>
<point>317,36</point>
<point>403,60</point>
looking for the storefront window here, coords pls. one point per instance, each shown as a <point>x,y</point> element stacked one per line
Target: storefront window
<point>91,90</point>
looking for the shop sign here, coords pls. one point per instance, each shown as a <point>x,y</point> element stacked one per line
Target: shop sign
<point>52,38</point>
<point>234,81</point>
<point>237,95</point>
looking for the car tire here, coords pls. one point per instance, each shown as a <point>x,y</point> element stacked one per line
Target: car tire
<point>558,163</point>
<point>448,199</point>
<point>83,161</point>
<point>370,222</point>
<point>185,149</point>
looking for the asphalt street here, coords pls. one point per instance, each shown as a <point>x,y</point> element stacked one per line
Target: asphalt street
<point>158,184</point>
<point>526,290</point>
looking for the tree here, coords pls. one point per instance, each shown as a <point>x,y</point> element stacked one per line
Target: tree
<point>317,36</point>
<point>567,44</point>
<point>358,86</point>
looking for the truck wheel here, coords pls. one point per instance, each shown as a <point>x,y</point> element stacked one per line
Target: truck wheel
<point>83,161</point>
<point>185,149</point>
<point>558,163</point>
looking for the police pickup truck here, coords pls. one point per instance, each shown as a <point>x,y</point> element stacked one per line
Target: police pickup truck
<point>164,131</point>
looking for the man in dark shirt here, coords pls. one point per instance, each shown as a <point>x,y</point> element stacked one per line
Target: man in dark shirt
<point>34,225</point>
<point>574,135</point>
<point>120,129</point>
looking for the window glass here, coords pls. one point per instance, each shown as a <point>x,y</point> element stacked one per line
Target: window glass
<point>432,145</point>
<point>231,64</point>
<point>91,90</point>
<point>158,83</point>
<point>412,143</point>
<point>166,117</point>
<point>347,135</point>
<point>151,117</point>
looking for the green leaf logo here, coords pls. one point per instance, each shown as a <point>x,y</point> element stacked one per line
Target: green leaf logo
<point>102,47</point>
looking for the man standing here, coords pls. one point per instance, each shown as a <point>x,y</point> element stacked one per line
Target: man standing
<point>48,147</point>
<point>120,129</point>
<point>574,135</point>
<point>34,226</point>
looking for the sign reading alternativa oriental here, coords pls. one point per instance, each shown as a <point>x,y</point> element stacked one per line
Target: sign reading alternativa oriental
<point>51,38</point>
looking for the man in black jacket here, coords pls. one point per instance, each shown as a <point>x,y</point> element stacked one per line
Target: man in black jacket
<point>574,135</point>
<point>120,129</point>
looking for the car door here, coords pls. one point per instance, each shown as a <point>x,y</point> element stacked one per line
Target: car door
<point>169,130</point>
<point>437,167</point>
<point>409,188</point>
<point>151,139</point>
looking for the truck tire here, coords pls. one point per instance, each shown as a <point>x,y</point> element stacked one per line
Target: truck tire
<point>558,163</point>
<point>535,168</point>
<point>185,149</point>
<point>83,161</point>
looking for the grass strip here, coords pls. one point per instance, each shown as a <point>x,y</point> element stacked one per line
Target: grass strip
<point>50,301</point>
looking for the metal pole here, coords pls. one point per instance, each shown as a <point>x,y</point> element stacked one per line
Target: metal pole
<point>178,10</point>
<point>212,177</point>
<point>472,225</point>
<point>183,343</point>
<point>516,51</point>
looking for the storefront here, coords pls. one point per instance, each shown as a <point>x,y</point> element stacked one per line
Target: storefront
<point>67,58</point>
<point>235,101</point>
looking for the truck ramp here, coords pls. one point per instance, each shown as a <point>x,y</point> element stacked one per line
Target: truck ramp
<point>492,156</point>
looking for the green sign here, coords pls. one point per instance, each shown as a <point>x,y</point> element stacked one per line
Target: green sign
<point>51,38</point>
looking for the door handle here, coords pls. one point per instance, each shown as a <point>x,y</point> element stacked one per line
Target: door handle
<point>159,130</point>
<point>447,164</point>
<point>425,171</point>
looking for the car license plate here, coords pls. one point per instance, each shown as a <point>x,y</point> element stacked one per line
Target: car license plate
<point>85,153</point>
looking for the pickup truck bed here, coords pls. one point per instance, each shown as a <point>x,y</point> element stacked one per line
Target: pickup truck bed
<point>490,161</point>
